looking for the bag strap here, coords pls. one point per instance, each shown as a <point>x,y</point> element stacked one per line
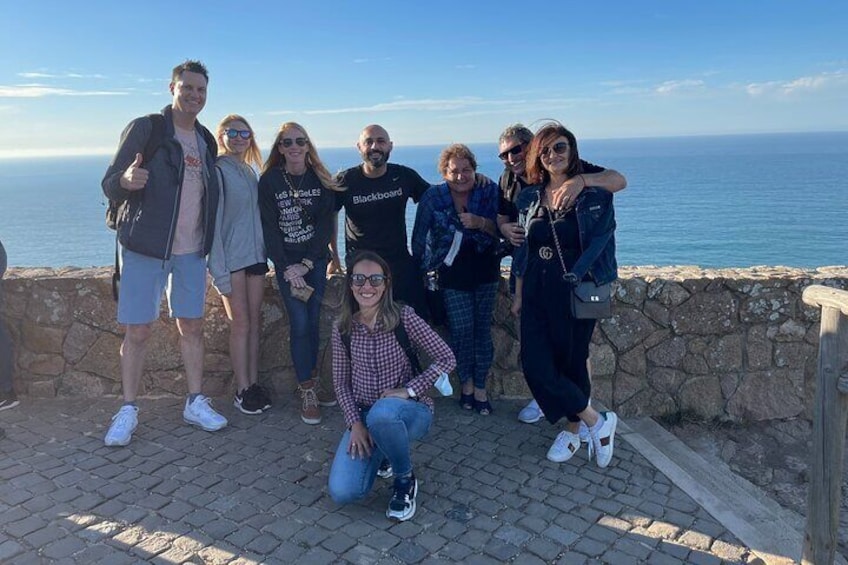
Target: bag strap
<point>402,338</point>
<point>556,243</point>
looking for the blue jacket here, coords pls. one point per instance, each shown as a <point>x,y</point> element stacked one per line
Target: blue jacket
<point>150,220</point>
<point>436,221</point>
<point>596,223</point>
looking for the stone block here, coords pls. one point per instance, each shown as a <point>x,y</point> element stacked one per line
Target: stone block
<point>41,389</point>
<point>631,291</point>
<point>726,353</point>
<point>44,339</point>
<point>794,355</point>
<point>103,358</point>
<point>758,348</point>
<point>694,364</point>
<point>704,314</point>
<point>668,353</point>
<point>657,312</point>
<point>513,385</point>
<point>627,328</point>
<point>602,358</point>
<point>78,340</point>
<point>764,395</point>
<point>701,396</point>
<point>77,383</point>
<point>48,307</point>
<point>634,362</point>
<point>771,306</point>
<point>44,364</point>
<point>626,387</point>
<point>665,380</point>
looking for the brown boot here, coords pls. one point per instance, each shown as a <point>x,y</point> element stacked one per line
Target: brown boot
<point>309,412</point>
<point>325,398</point>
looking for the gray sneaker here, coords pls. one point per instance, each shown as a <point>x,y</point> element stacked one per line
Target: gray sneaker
<point>123,425</point>
<point>201,414</point>
<point>8,400</point>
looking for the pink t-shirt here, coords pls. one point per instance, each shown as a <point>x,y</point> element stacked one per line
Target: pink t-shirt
<point>188,237</point>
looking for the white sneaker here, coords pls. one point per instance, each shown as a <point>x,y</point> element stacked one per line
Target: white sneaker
<point>531,413</point>
<point>201,414</point>
<point>584,433</point>
<point>564,447</point>
<point>603,442</point>
<point>124,423</point>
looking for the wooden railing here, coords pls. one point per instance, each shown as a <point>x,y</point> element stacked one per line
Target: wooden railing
<point>829,423</point>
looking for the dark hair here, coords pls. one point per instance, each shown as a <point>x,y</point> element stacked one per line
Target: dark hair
<point>518,132</point>
<point>388,312</point>
<point>190,66</point>
<point>536,173</point>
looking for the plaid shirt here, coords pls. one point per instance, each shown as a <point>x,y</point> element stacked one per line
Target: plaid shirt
<point>378,362</point>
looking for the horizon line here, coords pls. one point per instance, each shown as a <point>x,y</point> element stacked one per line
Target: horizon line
<point>102,151</point>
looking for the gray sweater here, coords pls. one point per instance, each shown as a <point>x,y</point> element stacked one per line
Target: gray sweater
<point>238,241</point>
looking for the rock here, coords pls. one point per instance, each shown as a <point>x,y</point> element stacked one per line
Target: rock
<point>758,348</point>
<point>762,395</point>
<point>40,338</point>
<point>627,328</point>
<point>103,358</point>
<point>669,353</point>
<point>77,383</point>
<point>42,364</point>
<point>702,397</point>
<point>42,389</point>
<point>603,360</point>
<point>794,355</point>
<point>771,306</point>
<point>726,353</point>
<point>703,314</point>
<point>665,380</point>
<point>48,308</point>
<point>631,291</point>
<point>634,362</point>
<point>79,339</point>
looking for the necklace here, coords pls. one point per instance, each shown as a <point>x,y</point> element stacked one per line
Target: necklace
<point>295,192</point>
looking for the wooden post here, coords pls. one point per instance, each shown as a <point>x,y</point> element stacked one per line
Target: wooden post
<point>829,424</point>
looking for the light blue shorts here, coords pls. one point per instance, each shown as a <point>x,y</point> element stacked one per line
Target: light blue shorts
<point>144,280</point>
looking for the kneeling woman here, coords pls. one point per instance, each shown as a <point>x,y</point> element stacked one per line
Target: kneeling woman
<point>385,405</point>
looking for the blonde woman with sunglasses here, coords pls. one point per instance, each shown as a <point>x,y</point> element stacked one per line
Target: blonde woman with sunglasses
<point>297,202</point>
<point>237,261</point>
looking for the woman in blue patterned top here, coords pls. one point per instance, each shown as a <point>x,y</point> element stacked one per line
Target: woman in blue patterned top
<point>454,235</point>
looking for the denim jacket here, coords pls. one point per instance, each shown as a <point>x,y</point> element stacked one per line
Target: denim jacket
<point>596,223</point>
<point>436,221</point>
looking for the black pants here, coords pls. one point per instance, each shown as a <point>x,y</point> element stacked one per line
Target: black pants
<point>554,348</point>
<point>6,353</point>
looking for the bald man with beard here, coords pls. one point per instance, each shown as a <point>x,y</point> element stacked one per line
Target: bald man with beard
<point>375,211</point>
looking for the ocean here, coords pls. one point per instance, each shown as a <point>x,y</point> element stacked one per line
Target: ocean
<point>713,201</point>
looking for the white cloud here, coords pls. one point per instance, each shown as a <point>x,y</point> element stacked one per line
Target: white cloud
<point>670,86</point>
<point>798,85</point>
<point>37,74</point>
<point>40,91</point>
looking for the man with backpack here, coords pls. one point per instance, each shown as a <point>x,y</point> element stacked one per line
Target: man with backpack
<point>162,185</point>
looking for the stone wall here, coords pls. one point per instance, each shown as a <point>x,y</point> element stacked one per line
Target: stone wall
<point>733,344</point>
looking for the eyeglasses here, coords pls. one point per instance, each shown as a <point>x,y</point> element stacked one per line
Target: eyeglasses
<point>288,142</point>
<point>375,280</point>
<point>558,148</point>
<point>514,150</point>
<point>242,133</point>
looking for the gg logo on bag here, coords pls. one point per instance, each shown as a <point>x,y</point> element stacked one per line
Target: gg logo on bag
<point>546,253</point>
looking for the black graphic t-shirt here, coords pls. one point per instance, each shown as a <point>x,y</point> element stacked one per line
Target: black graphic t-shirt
<point>375,209</point>
<point>297,217</point>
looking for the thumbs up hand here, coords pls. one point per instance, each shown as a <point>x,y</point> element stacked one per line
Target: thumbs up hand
<point>135,177</point>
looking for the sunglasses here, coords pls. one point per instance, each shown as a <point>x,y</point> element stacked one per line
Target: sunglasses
<point>514,150</point>
<point>558,148</point>
<point>287,142</point>
<point>375,280</point>
<point>242,133</point>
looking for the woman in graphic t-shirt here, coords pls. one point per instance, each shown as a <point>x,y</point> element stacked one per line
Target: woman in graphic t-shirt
<point>297,207</point>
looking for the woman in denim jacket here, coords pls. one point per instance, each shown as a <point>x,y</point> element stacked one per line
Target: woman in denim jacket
<point>554,345</point>
<point>454,234</point>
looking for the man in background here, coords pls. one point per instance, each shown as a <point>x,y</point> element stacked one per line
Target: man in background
<point>512,150</point>
<point>375,211</point>
<point>165,229</point>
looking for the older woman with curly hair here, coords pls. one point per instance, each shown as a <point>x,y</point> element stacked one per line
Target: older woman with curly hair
<point>297,198</point>
<point>454,236</point>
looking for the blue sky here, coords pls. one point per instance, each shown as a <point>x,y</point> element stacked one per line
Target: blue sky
<point>73,73</point>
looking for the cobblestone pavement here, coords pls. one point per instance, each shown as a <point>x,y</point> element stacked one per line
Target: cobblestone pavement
<point>256,493</point>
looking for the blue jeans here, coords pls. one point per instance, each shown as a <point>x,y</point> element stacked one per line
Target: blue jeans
<point>394,424</point>
<point>470,324</point>
<point>304,318</point>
